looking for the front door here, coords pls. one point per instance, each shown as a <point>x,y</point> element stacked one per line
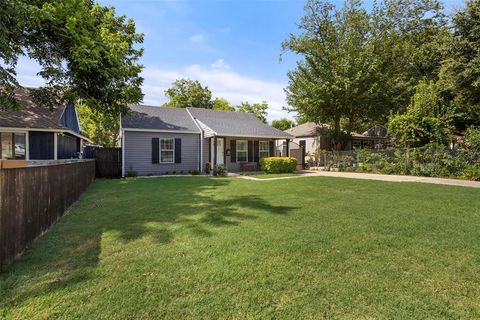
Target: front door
<point>220,142</point>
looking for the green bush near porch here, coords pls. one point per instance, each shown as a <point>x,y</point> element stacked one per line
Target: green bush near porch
<point>278,164</point>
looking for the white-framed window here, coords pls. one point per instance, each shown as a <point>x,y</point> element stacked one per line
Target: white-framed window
<point>167,150</point>
<point>12,145</point>
<point>263,149</point>
<point>242,150</point>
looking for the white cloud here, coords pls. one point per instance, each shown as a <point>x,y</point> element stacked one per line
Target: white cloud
<point>218,76</point>
<point>220,64</point>
<point>222,81</point>
<point>197,38</point>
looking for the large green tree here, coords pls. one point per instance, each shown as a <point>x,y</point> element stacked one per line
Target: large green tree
<point>86,52</point>
<point>259,110</point>
<point>460,71</point>
<point>188,93</point>
<point>283,124</point>
<point>358,66</point>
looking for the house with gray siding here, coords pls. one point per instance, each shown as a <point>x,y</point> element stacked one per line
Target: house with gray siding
<point>159,140</point>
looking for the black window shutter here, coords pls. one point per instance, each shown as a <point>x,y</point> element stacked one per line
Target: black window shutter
<point>256,150</point>
<point>233,151</point>
<point>155,150</point>
<point>272,148</point>
<point>210,150</point>
<point>250,151</point>
<point>178,150</point>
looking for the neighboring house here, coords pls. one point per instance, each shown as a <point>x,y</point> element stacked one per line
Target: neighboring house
<point>312,137</point>
<point>159,140</point>
<point>38,133</point>
<point>309,136</point>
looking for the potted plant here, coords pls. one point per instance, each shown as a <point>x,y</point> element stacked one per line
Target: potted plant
<point>208,167</point>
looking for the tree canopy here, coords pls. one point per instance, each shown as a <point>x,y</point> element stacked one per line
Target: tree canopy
<point>283,124</point>
<point>102,128</point>
<point>259,110</point>
<point>191,93</point>
<point>188,93</point>
<point>222,104</point>
<point>86,52</point>
<point>358,66</point>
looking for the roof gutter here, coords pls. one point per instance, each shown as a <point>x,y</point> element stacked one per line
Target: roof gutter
<point>73,133</point>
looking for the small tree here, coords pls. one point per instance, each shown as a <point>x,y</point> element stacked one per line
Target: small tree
<point>428,119</point>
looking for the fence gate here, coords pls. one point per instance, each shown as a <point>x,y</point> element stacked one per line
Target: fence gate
<point>299,154</point>
<point>109,162</point>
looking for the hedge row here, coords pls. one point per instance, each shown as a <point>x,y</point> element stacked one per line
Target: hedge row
<point>278,164</point>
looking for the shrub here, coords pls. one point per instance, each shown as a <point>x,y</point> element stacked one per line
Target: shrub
<point>278,164</point>
<point>220,170</point>
<point>195,172</point>
<point>130,172</point>
<point>472,172</point>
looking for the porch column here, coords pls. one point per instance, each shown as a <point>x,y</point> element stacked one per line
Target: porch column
<point>287,147</point>
<point>214,154</point>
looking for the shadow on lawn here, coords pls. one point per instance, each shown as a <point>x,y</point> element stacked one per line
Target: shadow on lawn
<point>131,210</point>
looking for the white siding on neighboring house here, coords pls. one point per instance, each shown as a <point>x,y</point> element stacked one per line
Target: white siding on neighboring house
<point>311,145</point>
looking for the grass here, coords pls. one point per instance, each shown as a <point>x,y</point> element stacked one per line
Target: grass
<point>262,175</point>
<point>199,247</point>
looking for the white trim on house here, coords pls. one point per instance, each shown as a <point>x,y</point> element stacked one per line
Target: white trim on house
<point>208,132</point>
<point>73,133</point>
<point>246,151</point>
<point>27,146</point>
<point>122,137</point>
<point>202,133</point>
<point>55,146</point>
<point>252,136</point>
<point>260,149</point>
<point>160,131</point>
<point>160,151</point>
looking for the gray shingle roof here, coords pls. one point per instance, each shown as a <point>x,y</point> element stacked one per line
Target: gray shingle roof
<point>307,129</point>
<point>159,118</point>
<point>31,115</point>
<point>227,123</point>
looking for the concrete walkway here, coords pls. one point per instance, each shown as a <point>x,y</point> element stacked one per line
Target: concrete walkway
<point>371,176</point>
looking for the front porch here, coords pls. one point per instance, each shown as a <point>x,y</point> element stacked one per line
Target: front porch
<point>240,154</point>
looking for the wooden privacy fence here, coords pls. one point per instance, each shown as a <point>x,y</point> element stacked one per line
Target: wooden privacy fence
<point>33,198</point>
<point>109,162</point>
<point>299,154</point>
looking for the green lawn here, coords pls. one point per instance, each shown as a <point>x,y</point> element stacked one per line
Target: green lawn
<point>261,175</point>
<point>199,247</point>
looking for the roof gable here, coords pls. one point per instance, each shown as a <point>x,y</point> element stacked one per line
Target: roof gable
<point>31,115</point>
<point>159,118</point>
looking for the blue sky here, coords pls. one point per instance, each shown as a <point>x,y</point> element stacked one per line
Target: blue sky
<point>233,47</point>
